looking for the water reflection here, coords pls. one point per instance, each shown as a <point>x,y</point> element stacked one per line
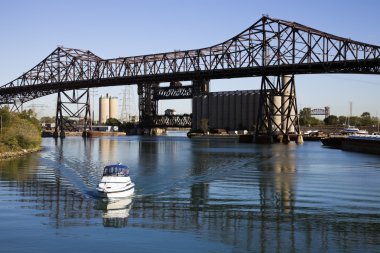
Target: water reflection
<point>19,169</point>
<point>200,164</point>
<point>241,195</point>
<point>278,179</point>
<point>115,211</point>
<point>108,150</point>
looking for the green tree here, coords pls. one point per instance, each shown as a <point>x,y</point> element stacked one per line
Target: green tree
<point>342,120</point>
<point>19,131</point>
<point>113,122</point>
<point>305,115</point>
<point>354,121</point>
<point>366,115</point>
<point>331,120</point>
<point>47,119</point>
<point>125,126</point>
<point>365,119</point>
<point>5,117</point>
<point>306,119</point>
<point>30,116</point>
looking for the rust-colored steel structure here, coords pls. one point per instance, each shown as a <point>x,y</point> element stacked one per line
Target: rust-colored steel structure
<point>270,47</point>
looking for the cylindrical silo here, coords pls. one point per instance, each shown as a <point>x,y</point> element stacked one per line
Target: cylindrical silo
<point>244,110</point>
<point>213,109</point>
<point>220,110</point>
<point>238,116</point>
<point>113,107</point>
<point>287,87</point>
<point>256,106</point>
<point>277,113</point>
<point>228,111</point>
<point>251,111</point>
<point>231,113</point>
<point>205,114</point>
<point>103,109</point>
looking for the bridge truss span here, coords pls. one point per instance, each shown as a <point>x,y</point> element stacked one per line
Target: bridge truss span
<point>270,46</point>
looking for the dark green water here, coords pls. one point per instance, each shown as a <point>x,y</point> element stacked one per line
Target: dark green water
<point>191,196</point>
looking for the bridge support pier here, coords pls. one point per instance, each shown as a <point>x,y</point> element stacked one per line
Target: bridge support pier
<point>278,114</point>
<point>200,87</point>
<point>65,115</point>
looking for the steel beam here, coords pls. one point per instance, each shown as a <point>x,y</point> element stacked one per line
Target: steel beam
<point>172,121</point>
<point>69,118</point>
<point>277,118</point>
<point>148,105</point>
<point>269,47</point>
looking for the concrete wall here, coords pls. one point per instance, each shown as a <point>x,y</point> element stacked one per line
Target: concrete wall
<point>232,109</point>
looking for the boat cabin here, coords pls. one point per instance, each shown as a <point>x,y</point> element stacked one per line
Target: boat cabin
<point>116,170</point>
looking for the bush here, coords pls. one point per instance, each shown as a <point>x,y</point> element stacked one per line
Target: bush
<point>19,133</point>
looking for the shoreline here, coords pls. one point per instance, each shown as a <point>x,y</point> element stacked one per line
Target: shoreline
<point>13,154</point>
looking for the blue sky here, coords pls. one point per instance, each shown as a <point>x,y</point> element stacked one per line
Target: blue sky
<point>30,30</point>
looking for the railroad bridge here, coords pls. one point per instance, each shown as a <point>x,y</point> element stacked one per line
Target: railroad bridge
<point>268,48</point>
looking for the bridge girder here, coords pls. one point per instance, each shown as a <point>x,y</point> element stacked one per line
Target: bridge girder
<point>268,47</point>
<point>172,121</point>
<point>181,92</point>
<point>149,94</point>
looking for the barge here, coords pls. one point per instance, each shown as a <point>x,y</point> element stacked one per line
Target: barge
<point>362,143</point>
<point>357,143</point>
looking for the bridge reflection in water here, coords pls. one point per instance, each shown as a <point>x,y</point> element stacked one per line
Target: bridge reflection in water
<point>240,196</point>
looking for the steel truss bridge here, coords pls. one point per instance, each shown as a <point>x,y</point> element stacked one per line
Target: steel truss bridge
<point>321,111</point>
<point>269,47</point>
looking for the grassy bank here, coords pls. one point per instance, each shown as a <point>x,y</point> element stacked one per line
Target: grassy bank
<point>20,132</point>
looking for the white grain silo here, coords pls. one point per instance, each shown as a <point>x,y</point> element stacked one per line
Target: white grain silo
<point>104,111</point>
<point>286,79</point>
<point>113,107</point>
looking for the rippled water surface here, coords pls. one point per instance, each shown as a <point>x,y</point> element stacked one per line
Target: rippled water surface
<point>191,196</point>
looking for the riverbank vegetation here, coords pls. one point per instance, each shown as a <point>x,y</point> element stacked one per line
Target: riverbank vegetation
<point>365,120</point>
<point>19,131</point>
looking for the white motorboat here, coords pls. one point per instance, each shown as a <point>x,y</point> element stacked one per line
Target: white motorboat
<point>115,182</point>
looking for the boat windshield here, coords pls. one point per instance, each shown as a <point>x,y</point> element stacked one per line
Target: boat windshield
<point>116,170</point>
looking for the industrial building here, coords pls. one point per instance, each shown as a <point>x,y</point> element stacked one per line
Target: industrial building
<point>232,110</point>
<point>238,110</point>
<point>107,108</point>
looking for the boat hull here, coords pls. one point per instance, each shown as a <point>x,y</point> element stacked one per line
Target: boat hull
<point>333,142</point>
<point>116,193</point>
<point>366,144</point>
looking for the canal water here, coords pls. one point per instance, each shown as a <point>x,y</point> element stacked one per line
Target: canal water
<point>191,196</point>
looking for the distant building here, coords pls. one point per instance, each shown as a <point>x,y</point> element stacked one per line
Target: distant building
<point>170,112</point>
<point>107,108</point>
<point>134,119</point>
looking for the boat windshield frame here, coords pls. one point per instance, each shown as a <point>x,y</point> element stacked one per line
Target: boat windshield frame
<point>116,170</point>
